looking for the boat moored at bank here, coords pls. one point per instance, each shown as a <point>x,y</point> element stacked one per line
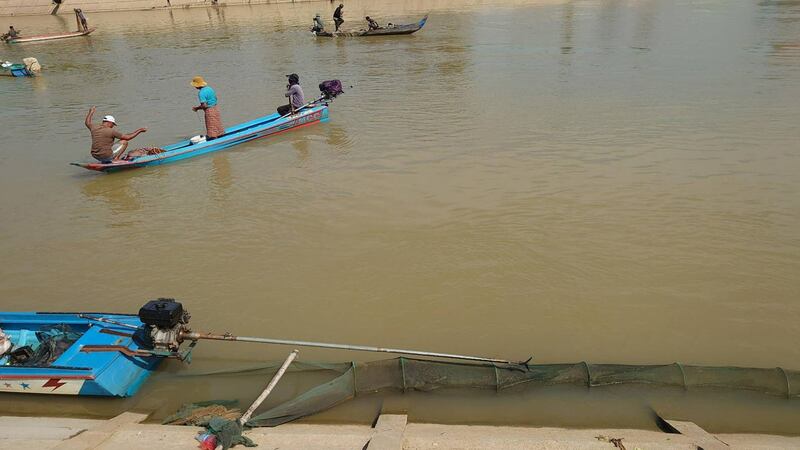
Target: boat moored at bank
<point>71,354</point>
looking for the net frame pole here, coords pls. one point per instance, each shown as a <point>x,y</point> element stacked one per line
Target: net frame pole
<point>267,390</point>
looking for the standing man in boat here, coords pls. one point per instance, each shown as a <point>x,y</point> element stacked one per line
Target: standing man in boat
<point>83,25</point>
<point>208,103</point>
<point>295,94</point>
<point>103,135</point>
<point>337,16</point>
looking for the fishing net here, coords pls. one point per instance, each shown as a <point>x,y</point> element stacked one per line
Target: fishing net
<point>348,380</point>
<point>53,341</point>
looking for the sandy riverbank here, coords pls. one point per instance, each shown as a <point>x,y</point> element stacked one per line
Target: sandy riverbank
<point>126,432</point>
<point>44,7</point>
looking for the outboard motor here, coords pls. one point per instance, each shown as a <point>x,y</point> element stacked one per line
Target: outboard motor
<point>331,89</point>
<point>164,319</point>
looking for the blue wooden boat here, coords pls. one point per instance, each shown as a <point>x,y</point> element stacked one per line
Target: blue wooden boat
<point>72,354</point>
<point>248,131</point>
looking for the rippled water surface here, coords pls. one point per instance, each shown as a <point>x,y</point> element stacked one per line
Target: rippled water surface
<point>609,181</point>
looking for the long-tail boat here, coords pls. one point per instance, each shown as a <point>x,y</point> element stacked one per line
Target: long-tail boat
<point>384,31</point>
<point>315,111</point>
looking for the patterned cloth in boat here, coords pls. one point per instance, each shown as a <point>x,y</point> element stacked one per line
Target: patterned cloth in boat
<point>133,154</point>
<point>214,128</point>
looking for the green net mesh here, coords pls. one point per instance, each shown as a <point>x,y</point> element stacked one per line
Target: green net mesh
<point>348,380</point>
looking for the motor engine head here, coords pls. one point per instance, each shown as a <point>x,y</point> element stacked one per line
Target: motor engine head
<point>163,320</point>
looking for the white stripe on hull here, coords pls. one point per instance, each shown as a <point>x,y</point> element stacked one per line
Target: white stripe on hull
<point>42,386</point>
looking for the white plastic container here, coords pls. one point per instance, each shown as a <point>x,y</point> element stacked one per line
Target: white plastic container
<point>5,343</point>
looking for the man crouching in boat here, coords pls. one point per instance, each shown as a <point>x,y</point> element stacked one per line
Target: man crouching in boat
<point>103,135</point>
<point>373,25</point>
<point>295,94</point>
<point>208,103</point>
<point>12,34</point>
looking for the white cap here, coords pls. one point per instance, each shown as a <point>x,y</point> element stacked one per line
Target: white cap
<point>109,119</point>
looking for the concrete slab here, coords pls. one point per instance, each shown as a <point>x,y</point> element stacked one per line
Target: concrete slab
<point>759,441</point>
<point>389,432</point>
<point>94,437</point>
<point>427,436</point>
<point>701,437</point>
<point>124,433</point>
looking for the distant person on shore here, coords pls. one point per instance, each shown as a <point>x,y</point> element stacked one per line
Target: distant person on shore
<point>295,94</point>
<point>82,18</point>
<point>372,24</point>
<point>12,33</point>
<point>319,25</point>
<point>208,103</point>
<point>103,135</point>
<point>337,16</point>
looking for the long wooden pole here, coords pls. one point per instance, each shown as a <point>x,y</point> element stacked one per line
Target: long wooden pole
<point>267,390</point>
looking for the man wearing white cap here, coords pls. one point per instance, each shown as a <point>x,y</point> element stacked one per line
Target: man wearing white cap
<point>103,135</point>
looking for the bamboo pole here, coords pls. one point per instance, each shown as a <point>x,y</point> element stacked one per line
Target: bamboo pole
<point>267,390</point>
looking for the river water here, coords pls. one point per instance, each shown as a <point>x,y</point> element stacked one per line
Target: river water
<point>608,181</point>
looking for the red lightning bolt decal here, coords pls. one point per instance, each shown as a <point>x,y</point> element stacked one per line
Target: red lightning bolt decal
<point>54,383</point>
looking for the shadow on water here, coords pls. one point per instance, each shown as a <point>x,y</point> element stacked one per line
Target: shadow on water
<point>116,191</point>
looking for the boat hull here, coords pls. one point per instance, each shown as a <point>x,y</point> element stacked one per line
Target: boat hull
<point>92,366</point>
<point>246,132</point>
<point>50,37</point>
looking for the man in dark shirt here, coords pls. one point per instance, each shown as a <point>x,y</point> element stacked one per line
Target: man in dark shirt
<point>296,98</point>
<point>337,16</point>
<point>12,33</point>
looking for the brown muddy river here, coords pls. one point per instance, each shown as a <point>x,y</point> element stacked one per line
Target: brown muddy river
<point>608,181</point>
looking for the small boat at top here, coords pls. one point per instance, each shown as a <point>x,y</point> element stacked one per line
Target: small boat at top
<point>83,30</point>
<point>314,112</point>
<point>70,354</point>
<point>387,31</point>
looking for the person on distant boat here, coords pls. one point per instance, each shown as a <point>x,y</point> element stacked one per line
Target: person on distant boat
<point>295,94</point>
<point>12,33</point>
<point>337,16</point>
<point>103,135</point>
<point>373,25</point>
<point>82,18</point>
<point>319,26</point>
<point>208,103</point>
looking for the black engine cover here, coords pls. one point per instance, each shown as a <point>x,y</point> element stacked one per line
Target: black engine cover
<point>161,313</point>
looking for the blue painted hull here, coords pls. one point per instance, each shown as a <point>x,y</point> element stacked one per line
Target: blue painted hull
<point>92,366</point>
<point>248,131</point>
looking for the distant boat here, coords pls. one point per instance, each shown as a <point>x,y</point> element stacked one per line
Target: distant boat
<point>49,37</point>
<point>30,67</point>
<point>82,31</point>
<point>64,353</point>
<point>388,31</point>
